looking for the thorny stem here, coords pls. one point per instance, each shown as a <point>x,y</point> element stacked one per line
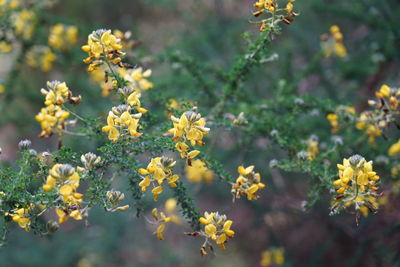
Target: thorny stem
<point>237,74</point>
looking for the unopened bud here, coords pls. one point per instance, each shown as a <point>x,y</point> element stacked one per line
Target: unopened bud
<point>24,144</point>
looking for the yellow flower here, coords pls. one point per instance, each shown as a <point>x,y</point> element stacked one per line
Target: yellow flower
<point>158,170</point>
<point>133,100</point>
<point>137,78</point>
<point>102,46</point>
<point>273,256</point>
<point>56,94</point>
<point>394,149</point>
<point>248,183</point>
<point>21,216</point>
<point>312,148</point>
<point>160,219</point>
<point>333,43</point>
<point>121,122</point>
<point>24,23</point>
<point>170,207</point>
<point>51,118</point>
<point>189,127</point>
<point>107,85</point>
<point>384,92</point>
<point>62,36</point>
<point>216,228</point>
<point>199,172</point>
<point>66,180</point>
<point>365,122</point>
<point>275,14</point>
<point>2,89</point>
<point>357,184</point>
<point>40,56</point>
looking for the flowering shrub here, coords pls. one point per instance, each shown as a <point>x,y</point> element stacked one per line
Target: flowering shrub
<point>127,139</point>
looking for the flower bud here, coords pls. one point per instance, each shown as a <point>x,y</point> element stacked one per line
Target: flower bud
<point>52,226</point>
<point>90,160</point>
<point>24,144</point>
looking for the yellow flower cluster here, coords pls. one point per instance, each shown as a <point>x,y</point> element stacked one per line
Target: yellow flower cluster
<point>272,257</point>
<point>366,123</point>
<point>40,56</point>
<point>276,13</point>
<point>333,43</point>
<point>248,183</point>
<point>66,180</point>
<point>158,170</point>
<point>62,36</point>
<point>198,172</point>
<point>2,89</point>
<point>104,55</point>
<point>386,111</point>
<point>190,127</point>
<point>161,219</point>
<point>137,78</point>
<point>120,121</point>
<point>24,23</point>
<point>387,105</point>
<point>216,228</point>
<point>103,48</point>
<point>52,117</point>
<point>21,216</point>
<point>357,185</point>
<point>341,111</point>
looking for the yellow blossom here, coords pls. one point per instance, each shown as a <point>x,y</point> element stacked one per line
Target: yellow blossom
<point>333,43</point>
<point>40,56</point>
<point>357,184</point>
<point>102,46</point>
<point>189,127</point>
<point>21,216</point>
<point>62,36</point>
<point>198,172</point>
<point>271,257</point>
<point>274,13</point>
<point>248,183</point>
<point>51,118</point>
<point>158,170</point>
<point>312,148</point>
<point>24,23</point>
<point>120,121</point>
<point>137,78</point>
<point>161,219</point>
<point>65,179</point>
<point>216,228</point>
<point>394,149</point>
<point>366,123</point>
<point>107,85</point>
